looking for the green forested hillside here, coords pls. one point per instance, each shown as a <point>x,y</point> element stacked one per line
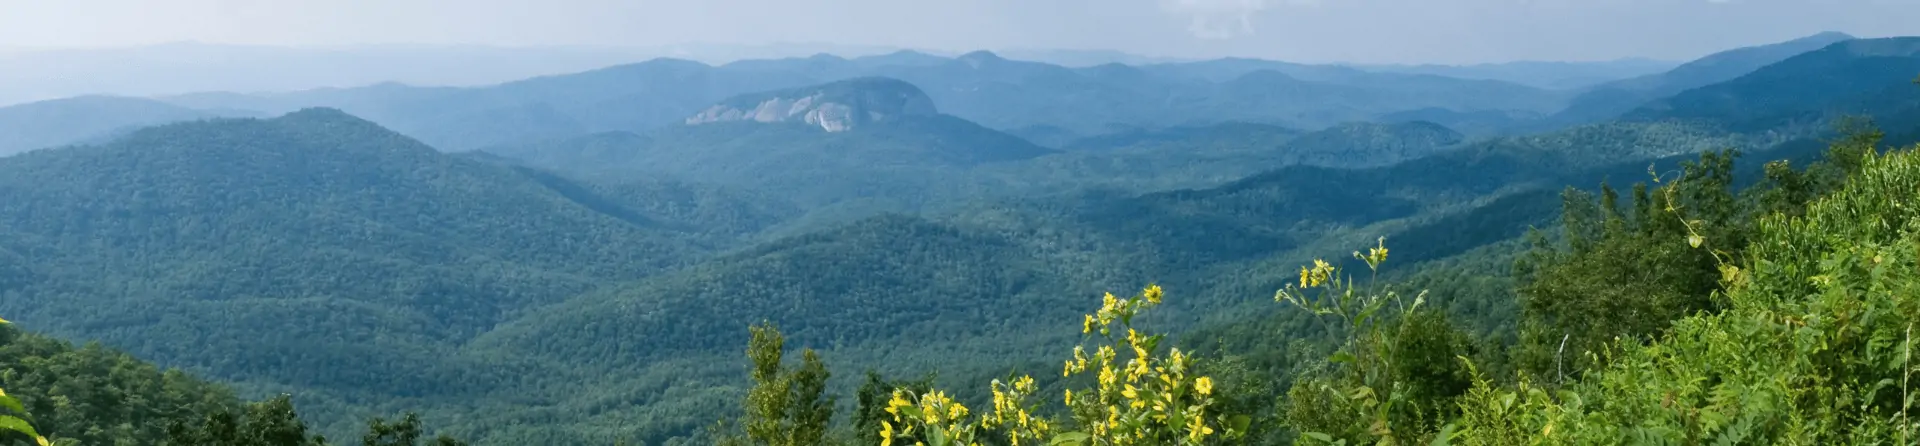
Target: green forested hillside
<point>52,393</point>
<point>1371,362</point>
<point>96,395</point>
<point>597,289</point>
<point>200,245</point>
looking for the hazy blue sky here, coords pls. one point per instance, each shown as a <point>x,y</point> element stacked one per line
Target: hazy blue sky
<point>1302,30</point>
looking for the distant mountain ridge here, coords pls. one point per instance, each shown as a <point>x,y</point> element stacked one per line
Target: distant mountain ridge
<point>46,124</point>
<point>1541,74</point>
<point>1858,77</point>
<point>978,86</point>
<point>1610,100</point>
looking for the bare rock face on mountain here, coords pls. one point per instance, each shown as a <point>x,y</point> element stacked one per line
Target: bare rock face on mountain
<point>834,107</point>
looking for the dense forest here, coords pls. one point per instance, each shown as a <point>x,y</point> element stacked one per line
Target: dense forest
<point>1730,260</point>
<point>1693,312</point>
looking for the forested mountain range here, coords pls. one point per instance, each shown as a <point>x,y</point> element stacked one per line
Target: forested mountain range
<point>1610,100</point>
<point>588,277</point>
<point>979,86</point>
<point>982,87</point>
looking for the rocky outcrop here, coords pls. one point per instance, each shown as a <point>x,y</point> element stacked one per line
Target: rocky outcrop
<point>834,107</point>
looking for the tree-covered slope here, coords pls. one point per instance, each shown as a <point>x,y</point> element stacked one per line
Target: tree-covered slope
<point>898,163</point>
<point>95,395</point>
<point>321,254</point>
<point>319,251</point>
<point>1812,340</point>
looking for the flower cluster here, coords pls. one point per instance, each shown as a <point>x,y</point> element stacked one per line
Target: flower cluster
<point>1375,256</point>
<point>1145,399</point>
<point>1137,397</point>
<point>1011,414</point>
<point>1318,274</point>
<point>934,413</point>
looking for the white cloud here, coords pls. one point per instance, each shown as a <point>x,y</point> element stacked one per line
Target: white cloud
<point>1219,19</point>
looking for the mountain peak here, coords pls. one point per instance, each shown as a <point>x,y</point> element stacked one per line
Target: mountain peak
<point>321,114</point>
<point>977,58</point>
<point>835,106</point>
<point>1880,47</point>
<point>902,57</point>
<point>826,57</point>
<point>1828,36</point>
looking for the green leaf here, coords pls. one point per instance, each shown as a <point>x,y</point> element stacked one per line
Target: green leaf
<point>1239,423</point>
<point>1364,315</point>
<point>1070,438</point>
<point>11,423</point>
<point>936,436</point>
<point>12,404</point>
<point>1323,438</point>
<point>1360,392</point>
<point>1342,357</point>
<point>1445,437</point>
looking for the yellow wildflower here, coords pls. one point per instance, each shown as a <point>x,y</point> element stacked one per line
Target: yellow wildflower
<point>1153,294</point>
<point>1198,429</point>
<point>1204,385</point>
<point>1069,397</point>
<point>899,400</point>
<point>886,433</point>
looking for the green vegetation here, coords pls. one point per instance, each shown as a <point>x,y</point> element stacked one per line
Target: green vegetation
<point>1813,345</point>
<point>360,273</point>
<point>61,395</point>
<point>1825,297</point>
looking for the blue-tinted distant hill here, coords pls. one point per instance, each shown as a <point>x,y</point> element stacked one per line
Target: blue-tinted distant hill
<point>1610,100</point>
<point>1540,74</point>
<point>58,122</point>
<point>621,98</point>
<point>1863,77</point>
